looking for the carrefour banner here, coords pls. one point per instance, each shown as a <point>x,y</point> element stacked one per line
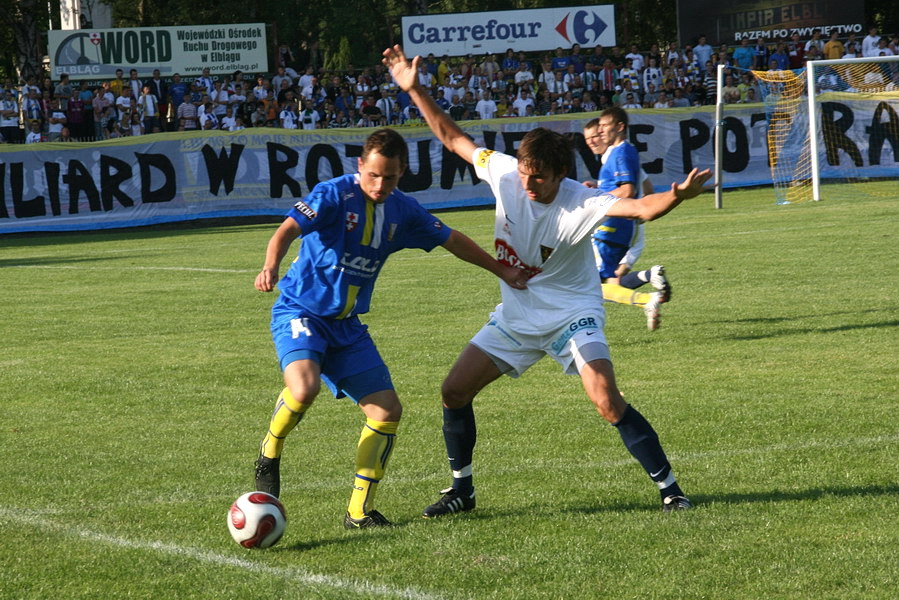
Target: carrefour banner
<point>458,34</point>
<point>97,53</point>
<point>184,176</point>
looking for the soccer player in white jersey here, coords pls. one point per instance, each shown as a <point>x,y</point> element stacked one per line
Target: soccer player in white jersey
<point>543,225</point>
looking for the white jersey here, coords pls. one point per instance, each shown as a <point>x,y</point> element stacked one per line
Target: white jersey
<point>551,240</point>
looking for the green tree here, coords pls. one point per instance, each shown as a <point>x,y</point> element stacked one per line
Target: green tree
<point>22,24</point>
<point>315,29</point>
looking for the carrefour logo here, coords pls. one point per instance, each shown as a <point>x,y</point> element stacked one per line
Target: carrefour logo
<point>583,28</point>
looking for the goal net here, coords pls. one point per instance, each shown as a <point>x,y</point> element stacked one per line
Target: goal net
<point>834,122</point>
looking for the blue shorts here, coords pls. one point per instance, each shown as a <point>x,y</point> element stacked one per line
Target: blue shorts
<point>610,256</point>
<point>350,363</point>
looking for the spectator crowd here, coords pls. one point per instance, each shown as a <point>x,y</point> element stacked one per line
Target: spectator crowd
<point>486,87</point>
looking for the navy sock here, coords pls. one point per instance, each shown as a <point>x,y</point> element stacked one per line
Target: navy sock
<point>633,280</point>
<point>460,435</point>
<point>642,442</point>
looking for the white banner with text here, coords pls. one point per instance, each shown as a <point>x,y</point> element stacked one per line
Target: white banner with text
<point>97,53</point>
<point>185,176</point>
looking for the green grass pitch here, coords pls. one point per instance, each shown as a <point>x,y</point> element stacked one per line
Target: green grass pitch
<point>137,377</point>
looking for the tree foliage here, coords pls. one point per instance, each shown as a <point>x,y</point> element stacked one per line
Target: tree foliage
<point>22,23</point>
<point>315,29</point>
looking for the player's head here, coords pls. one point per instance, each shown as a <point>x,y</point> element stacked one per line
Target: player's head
<point>592,138</point>
<point>613,125</point>
<point>544,160</point>
<point>384,159</point>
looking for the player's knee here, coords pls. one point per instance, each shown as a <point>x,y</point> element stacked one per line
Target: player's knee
<point>305,392</point>
<point>610,405</point>
<point>454,395</point>
<point>383,406</point>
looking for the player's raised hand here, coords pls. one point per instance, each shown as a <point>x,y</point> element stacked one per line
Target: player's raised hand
<point>404,71</point>
<point>693,185</point>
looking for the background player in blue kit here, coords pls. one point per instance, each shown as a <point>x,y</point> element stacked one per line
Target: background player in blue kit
<point>618,242</point>
<point>349,225</point>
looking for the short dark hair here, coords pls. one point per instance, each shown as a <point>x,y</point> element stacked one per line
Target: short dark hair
<point>543,148</point>
<point>618,114</point>
<point>389,144</point>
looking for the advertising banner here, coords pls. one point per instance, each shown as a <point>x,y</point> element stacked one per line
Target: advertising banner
<point>185,176</point>
<point>97,53</point>
<point>458,34</point>
<point>771,20</point>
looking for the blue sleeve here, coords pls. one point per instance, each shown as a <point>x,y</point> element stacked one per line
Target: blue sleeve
<point>626,165</point>
<point>422,229</point>
<point>317,210</point>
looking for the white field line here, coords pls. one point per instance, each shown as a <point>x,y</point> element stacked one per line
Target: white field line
<point>563,466</point>
<point>400,257</point>
<point>676,459</point>
<point>133,268</point>
<point>297,575</point>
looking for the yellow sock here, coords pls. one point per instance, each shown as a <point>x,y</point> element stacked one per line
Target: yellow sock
<point>375,446</point>
<point>288,412</point>
<point>622,295</point>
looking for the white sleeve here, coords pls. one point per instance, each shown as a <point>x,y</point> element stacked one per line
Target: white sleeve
<point>636,249</point>
<point>490,165</point>
<point>643,178</point>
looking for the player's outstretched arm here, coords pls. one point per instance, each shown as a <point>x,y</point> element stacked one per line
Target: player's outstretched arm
<point>654,206</point>
<point>462,246</point>
<point>274,254</point>
<point>405,75</point>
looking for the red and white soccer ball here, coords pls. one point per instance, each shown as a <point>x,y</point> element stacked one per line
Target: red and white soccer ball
<point>257,520</point>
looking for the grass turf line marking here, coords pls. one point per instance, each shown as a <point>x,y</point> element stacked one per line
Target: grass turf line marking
<point>134,268</point>
<point>33,518</point>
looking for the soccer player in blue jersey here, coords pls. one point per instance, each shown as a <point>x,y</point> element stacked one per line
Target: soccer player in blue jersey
<point>618,243</point>
<point>349,226</point>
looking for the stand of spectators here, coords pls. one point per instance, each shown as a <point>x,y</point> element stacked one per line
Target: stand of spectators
<point>466,87</point>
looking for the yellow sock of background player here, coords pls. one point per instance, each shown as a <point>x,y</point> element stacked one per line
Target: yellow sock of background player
<point>375,446</point>
<point>622,295</point>
<point>288,413</point>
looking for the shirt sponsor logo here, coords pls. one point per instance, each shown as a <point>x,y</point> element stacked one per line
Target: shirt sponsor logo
<point>359,264</point>
<point>305,210</point>
<point>506,255</point>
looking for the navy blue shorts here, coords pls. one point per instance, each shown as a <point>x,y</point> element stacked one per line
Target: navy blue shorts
<point>610,256</point>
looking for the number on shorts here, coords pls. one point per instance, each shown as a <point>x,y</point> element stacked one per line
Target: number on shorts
<point>298,326</point>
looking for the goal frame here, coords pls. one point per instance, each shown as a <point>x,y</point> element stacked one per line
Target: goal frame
<point>811,68</point>
<point>813,112</point>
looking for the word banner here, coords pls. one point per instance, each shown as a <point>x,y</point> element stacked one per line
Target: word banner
<point>97,53</point>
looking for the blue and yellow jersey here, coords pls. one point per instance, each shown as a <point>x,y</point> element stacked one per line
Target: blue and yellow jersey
<point>345,241</point>
<point>621,166</point>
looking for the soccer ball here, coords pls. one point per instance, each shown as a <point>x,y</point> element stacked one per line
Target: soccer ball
<point>257,520</point>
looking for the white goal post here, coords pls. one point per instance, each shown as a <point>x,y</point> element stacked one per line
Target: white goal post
<point>812,79</point>
<point>799,134</point>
